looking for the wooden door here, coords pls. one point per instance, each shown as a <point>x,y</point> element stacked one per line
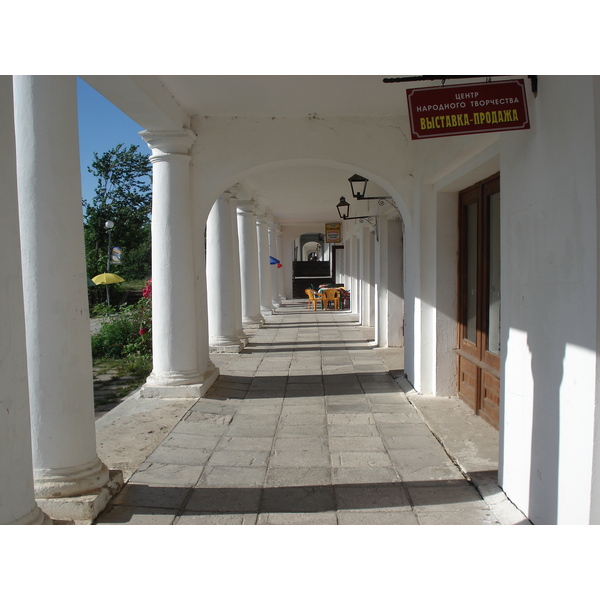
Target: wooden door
<point>479,298</point>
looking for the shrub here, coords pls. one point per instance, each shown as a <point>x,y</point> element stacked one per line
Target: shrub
<point>127,332</point>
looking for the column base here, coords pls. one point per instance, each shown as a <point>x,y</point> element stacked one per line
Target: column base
<point>82,510</point>
<point>174,378</point>
<point>226,348</point>
<point>253,323</point>
<point>225,344</point>
<point>34,517</point>
<point>70,482</point>
<point>244,339</point>
<point>151,389</point>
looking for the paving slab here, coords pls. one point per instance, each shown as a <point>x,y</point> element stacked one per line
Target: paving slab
<point>174,455</point>
<point>298,476</point>
<point>298,499</point>
<point>239,458</point>
<point>190,518</point>
<point>135,515</point>
<point>366,517</point>
<point>315,444</point>
<point>311,518</point>
<point>224,500</point>
<point>232,477</point>
<point>151,496</point>
<point>160,474</point>
<point>300,458</point>
<point>357,475</point>
<point>186,440</point>
<point>248,444</point>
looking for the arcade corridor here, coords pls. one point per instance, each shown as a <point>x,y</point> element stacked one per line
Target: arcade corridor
<point>306,426</point>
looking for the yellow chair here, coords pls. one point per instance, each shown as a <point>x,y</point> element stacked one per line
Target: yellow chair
<point>313,298</point>
<point>331,295</point>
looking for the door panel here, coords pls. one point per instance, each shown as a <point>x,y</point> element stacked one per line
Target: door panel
<point>479,301</point>
<point>490,398</point>
<point>467,381</point>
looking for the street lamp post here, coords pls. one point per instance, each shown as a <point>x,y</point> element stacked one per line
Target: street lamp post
<point>108,225</point>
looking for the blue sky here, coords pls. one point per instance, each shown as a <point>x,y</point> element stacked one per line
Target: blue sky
<point>101,127</point>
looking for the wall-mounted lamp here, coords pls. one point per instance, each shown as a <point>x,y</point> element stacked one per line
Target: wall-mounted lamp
<point>343,209</point>
<point>359,190</point>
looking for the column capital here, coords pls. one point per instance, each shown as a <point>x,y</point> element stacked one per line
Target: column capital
<point>227,195</point>
<point>246,207</point>
<point>262,216</point>
<point>177,141</point>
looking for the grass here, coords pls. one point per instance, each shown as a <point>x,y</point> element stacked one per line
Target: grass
<point>134,284</point>
<point>130,372</point>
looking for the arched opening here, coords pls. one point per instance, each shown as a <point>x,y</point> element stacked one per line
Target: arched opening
<point>312,265</point>
<point>300,198</point>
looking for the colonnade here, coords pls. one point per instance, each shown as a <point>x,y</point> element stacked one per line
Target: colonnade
<point>202,301</point>
<point>243,287</point>
<point>48,457</point>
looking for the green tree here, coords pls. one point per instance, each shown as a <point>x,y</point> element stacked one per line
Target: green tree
<point>123,195</point>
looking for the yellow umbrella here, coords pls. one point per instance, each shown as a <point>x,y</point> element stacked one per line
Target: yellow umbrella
<point>107,278</point>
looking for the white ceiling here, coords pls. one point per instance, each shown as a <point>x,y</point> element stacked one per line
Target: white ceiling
<point>291,96</point>
<point>300,194</point>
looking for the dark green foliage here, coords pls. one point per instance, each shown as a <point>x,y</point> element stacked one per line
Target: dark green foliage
<point>123,195</point>
<point>137,262</point>
<point>116,333</point>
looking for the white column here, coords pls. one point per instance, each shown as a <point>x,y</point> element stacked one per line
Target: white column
<point>381,287</point>
<point>264,273</point>
<point>206,366</point>
<point>366,257</point>
<point>56,304</point>
<point>278,247</point>
<point>220,290</point>
<point>251,316</point>
<point>236,284</point>
<point>355,282</point>
<point>274,278</point>
<point>17,497</point>
<point>174,326</point>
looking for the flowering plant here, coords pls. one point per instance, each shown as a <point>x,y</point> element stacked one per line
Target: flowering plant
<point>142,344</point>
<point>128,331</point>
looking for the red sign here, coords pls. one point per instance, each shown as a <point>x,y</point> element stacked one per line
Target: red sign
<point>466,109</point>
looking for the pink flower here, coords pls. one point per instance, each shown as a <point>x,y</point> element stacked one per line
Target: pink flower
<point>143,331</point>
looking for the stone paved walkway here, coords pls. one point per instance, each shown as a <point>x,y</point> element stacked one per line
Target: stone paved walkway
<point>305,426</point>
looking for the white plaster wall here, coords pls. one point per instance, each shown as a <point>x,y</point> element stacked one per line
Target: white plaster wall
<point>395,283</point>
<point>428,290</point>
<point>595,500</point>
<point>442,167</point>
<point>549,303</point>
<point>446,295</point>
